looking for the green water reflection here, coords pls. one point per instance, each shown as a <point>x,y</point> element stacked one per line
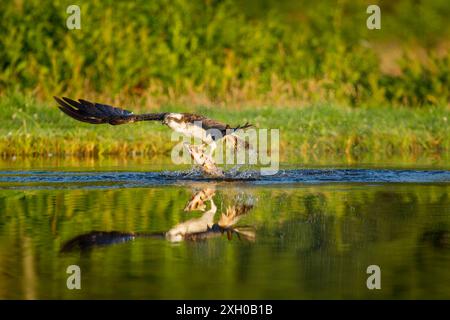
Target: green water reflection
<point>311,241</point>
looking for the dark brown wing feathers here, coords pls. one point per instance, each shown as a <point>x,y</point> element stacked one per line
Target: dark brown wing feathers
<point>208,124</point>
<point>97,113</point>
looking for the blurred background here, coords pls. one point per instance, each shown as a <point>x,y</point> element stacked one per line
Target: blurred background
<point>213,55</point>
<point>230,50</point>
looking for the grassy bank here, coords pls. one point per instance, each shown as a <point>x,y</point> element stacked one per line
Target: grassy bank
<point>31,128</point>
<point>284,64</point>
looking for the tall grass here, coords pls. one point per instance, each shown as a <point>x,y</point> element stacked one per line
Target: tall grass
<point>226,51</point>
<point>38,129</point>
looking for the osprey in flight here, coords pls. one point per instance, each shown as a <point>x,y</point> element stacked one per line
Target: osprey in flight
<point>209,131</point>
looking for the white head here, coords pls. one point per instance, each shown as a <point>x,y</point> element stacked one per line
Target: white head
<point>172,117</point>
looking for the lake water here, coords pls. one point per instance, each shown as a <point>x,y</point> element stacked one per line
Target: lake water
<point>304,233</point>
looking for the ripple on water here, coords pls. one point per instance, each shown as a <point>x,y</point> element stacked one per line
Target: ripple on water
<point>121,179</point>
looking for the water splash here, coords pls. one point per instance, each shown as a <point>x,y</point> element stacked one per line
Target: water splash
<point>120,179</point>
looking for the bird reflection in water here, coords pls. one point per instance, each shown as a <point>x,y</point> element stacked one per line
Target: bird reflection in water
<point>196,229</point>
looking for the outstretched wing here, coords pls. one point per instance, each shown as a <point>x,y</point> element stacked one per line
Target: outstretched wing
<point>97,113</point>
<point>209,124</point>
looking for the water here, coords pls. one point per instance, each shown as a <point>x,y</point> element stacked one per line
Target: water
<point>304,233</point>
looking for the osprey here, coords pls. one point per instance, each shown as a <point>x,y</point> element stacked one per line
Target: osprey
<point>209,131</point>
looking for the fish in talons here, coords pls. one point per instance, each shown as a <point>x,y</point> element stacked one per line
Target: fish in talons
<point>204,160</point>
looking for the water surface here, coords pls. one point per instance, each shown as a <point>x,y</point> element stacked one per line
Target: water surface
<point>309,233</point>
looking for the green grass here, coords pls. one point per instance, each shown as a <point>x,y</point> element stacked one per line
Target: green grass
<point>230,50</point>
<point>31,128</point>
